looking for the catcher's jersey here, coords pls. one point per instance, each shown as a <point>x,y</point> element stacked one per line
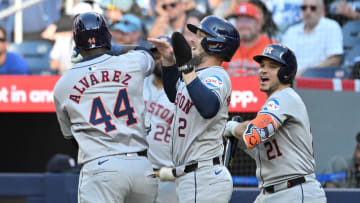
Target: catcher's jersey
<point>100,103</point>
<point>195,138</point>
<point>289,152</point>
<point>159,112</point>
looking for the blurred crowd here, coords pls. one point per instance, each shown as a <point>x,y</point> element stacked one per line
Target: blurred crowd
<point>319,31</point>
<point>348,166</point>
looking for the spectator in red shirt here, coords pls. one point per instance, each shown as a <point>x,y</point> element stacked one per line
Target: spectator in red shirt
<point>247,19</point>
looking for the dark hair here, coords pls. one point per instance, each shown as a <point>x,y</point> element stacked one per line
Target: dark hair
<point>4,32</point>
<point>195,13</point>
<point>269,26</point>
<point>358,137</point>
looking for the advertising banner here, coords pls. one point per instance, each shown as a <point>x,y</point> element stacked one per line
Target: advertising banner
<point>35,93</point>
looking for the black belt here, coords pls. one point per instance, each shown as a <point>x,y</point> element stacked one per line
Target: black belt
<point>192,167</point>
<point>289,184</point>
<point>142,153</point>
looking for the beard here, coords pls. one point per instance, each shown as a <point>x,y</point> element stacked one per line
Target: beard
<point>157,72</point>
<point>248,36</point>
<point>198,59</point>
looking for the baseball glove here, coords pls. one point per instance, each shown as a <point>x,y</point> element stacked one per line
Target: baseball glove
<point>182,52</point>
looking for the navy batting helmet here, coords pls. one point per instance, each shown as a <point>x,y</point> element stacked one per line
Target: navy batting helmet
<point>283,55</point>
<point>223,36</point>
<point>90,31</point>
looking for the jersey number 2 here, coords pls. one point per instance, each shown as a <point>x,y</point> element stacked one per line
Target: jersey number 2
<point>98,114</point>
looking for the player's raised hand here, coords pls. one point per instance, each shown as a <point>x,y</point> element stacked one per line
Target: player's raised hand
<point>231,125</point>
<point>76,56</point>
<point>182,52</point>
<point>230,129</point>
<point>165,50</point>
<point>165,174</point>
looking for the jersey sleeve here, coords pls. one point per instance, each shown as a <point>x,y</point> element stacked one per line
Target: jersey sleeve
<point>144,59</point>
<point>277,108</point>
<point>217,80</point>
<point>63,118</point>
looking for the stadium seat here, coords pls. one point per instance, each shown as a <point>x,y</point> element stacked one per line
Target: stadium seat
<point>351,34</point>
<point>330,72</point>
<point>351,55</point>
<point>36,53</point>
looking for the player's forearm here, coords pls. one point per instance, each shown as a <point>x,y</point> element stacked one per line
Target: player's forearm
<point>258,130</point>
<point>121,49</point>
<point>170,78</point>
<point>189,77</point>
<point>240,129</point>
<point>126,48</point>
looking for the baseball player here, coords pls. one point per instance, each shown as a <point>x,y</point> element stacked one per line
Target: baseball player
<point>159,112</point>
<point>99,103</point>
<point>279,138</point>
<point>200,90</point>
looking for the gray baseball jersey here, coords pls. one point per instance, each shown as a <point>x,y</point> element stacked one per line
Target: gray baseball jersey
<point>195,138</point>
<point>289,152</point>
<point>159,113</point>
<point>87,110</point>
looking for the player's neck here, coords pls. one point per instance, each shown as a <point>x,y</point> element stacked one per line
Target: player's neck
<point>157,82</point>
<point>210,61</point>
<point>92,52</point>
<point>281,87</point>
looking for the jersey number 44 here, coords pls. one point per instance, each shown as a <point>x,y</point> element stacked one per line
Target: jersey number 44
<point>98,114</point>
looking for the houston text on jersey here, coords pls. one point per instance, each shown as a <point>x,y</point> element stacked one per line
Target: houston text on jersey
<point>160,111</point>
<point>184,106</point>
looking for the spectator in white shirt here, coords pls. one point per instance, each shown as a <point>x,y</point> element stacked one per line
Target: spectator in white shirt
<point>317,41</point>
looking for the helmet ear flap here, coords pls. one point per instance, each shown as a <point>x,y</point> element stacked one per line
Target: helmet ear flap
<point>214,46</point>
<point>285,75</point>
<point>204,44</point>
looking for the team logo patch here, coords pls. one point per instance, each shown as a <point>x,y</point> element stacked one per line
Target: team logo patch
<point>214,81</point>
<point>272,105</point>
<point>267,50</point>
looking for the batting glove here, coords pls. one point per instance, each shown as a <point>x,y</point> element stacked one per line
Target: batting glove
<point>165,174</point>
<point>187,68</point>
<point>230,129</point>
<point>76,56</point>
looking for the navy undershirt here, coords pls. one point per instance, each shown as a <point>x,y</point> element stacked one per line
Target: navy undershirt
<point>205,100</point>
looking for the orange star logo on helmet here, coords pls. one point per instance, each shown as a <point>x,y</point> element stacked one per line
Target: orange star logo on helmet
<point>268,50</point>
<point>92,40</point>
